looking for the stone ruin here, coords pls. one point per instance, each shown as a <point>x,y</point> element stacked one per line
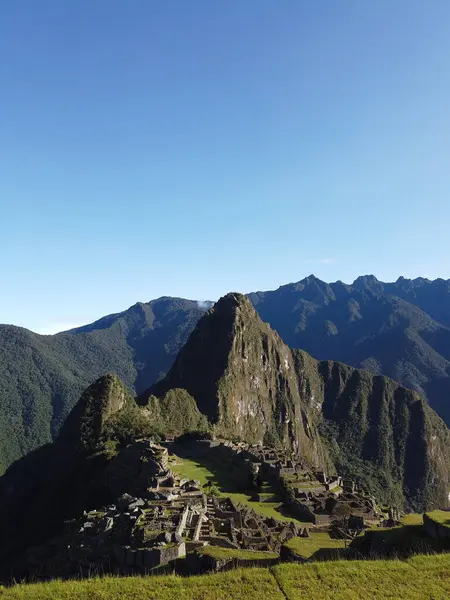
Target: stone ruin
<point>312,495</point>
<point>170,517</point>
<point>163,516</point>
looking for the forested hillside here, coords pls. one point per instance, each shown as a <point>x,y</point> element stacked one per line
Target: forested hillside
<point>399,329</point>
<point>42,377</point>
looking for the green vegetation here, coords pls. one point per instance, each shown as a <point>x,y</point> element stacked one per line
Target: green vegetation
<point>369,427</point>
<point>175,414</point>
<point>126,425</point>
<point>219,553</point>
<point>412,519</point>
<point>440,516</point>
<point>250,584</point>
<point>319,546</point>
<point>406,539</point>
<point>42,376</point>
<point>398,329</point>
<point>416,579</point>
<point>419,578</point>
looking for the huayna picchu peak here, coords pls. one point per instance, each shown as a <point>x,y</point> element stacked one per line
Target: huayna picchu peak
<point>243,378</point>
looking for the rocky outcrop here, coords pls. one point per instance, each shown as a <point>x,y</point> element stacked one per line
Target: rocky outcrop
<point>54,483</point>
<point>85,426</point>
<point>134,468</point>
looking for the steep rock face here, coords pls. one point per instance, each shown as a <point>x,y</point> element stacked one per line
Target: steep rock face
<point>243,378</point>
<point>386,434</point>
<point>253,387</point>
<point>401,329</point>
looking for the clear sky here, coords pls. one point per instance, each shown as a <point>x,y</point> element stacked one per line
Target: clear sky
<point>196,147</point>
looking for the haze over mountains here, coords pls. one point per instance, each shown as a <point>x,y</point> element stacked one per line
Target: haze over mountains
<point>399,329</point>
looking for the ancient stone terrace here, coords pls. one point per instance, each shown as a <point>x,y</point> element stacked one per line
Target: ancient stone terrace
<point>312,495</point>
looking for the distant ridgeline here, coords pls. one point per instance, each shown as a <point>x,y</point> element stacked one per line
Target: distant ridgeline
<point>401,330</point>
<point>234,379</point>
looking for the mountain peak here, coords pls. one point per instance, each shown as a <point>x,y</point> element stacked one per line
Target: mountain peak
<point>84,426</point>
<point>243,378</point>
<point>369,282</point>
<point>232,302</point>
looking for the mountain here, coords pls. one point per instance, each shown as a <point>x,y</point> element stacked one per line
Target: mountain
<point>234,378</point>
<point>243,378</point>
<point>399,329</point>
<point>255,388</point>
<point>42,377</point>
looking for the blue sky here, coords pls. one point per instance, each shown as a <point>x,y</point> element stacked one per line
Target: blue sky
<point>195,147</point>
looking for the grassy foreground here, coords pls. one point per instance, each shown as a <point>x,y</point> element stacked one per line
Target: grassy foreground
<point>419,578</point>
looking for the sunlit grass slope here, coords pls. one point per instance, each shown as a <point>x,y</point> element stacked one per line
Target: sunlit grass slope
<point>419,578</point>
<point>209,471</point>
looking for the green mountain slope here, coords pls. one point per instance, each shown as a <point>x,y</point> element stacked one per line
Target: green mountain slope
<point>42,377</point>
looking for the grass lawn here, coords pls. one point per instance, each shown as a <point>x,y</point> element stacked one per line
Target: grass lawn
<point>320,544</point>
<point>419,578</point>
<point>440,516</point>
<point>242,584</point>
<point>408,538</point>
<point>210,471</point>
<point>412,519</point>
<point>218,552</point>
<point>423,579</point>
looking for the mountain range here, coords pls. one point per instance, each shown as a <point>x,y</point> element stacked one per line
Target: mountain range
<point>399,329</point>
<point>234,379</point>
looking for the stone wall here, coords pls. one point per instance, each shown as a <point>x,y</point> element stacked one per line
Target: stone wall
<point>148,559</point>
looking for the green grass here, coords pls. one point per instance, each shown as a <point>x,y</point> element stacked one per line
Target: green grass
<point>407,539</point>
<point>242,584</point>
<point>440,516</point>
<point>320,544</point>
<point>210,471</point>
<point>219,553</point>
<point>192,469</point>
<point>424,578</point>
<point>412,519</point>
<point>419,578</point>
